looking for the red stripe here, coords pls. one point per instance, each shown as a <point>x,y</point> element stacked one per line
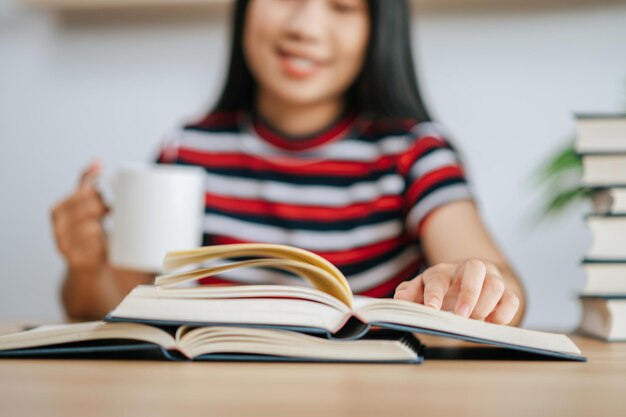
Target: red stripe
<point>335,132</point>
<point>295,212</point>
<point>384,126</point>
<point>420,146</point>
<point>425,220</point>
<point>216,281</point>
<point>338,258</point>
<point>362,253</point>
<point>430,179</point>
<point>292,166</point>
<point>387,287</point>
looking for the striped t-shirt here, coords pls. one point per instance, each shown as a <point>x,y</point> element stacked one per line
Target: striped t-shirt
<point>357,193</point>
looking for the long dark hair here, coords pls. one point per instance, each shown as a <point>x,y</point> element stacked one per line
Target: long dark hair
<point>387,85</point>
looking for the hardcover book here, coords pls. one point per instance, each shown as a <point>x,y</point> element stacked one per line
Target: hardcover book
<point>327,308</point>
<point>601,133</point>
<point>98,340</point>
<point>604,317</point>
<point>608,237</point>
<point>604,277</point>
<point>610,200</point>
<point>322,322</point>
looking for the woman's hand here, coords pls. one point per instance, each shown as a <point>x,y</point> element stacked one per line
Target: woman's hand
<point>77,224</point>
<point>92,287</point>
<point>472,288</point>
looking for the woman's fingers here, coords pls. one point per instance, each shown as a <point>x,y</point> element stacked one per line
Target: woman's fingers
<point>77,222</point>
<point>506,309</point>
<point>472,274</point>
<point>83,234</point>
<point>492,291</point>
<point>436,284</point>
<point>90,173</point>
<point>412,290</point>
<point>474,288</point>
<point>85,208</point>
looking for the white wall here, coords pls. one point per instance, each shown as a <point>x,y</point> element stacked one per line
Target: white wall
<point>505,81</point>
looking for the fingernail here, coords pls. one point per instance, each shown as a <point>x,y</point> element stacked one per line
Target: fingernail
<point>399,292</point>
<point>432,302</point>
<point>464,310</point>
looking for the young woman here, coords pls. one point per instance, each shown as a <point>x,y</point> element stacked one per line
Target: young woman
<point>320,140</point>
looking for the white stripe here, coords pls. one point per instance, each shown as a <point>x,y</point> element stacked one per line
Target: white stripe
<point>306,239</point>
<point>326,196</point>
<point>434,160</point>
<point>383,272</point>
<point>344,150</point>
<point>430,129</point>
<point>211,142</point>
<point>436,199</point>
<point>358,151</point>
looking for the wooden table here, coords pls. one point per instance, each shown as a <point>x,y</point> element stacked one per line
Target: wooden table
<point>436,388</point>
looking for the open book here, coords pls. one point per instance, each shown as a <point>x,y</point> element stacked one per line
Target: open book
<point>139,341</point>
<point>327,308</point>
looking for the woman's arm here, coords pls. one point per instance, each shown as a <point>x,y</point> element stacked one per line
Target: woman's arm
<point>470,275</point>
<point>90,295</point>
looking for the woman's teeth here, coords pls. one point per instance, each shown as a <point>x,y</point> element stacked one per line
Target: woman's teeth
<point>302,64</point>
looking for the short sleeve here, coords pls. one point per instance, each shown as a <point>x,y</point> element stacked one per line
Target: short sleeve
<point>434,175</point>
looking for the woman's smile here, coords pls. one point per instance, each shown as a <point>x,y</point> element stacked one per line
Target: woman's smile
<point>299,64</point>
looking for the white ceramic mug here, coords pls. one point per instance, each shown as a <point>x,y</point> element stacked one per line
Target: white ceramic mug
<point>154,209</point>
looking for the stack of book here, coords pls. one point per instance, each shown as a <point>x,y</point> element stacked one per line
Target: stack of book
<point>323,322</point>
<point>601,143</point>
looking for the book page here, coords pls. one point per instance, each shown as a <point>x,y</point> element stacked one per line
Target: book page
<point>319,278</point>
<point>241,291</point>
<point>210,340</point>
<point>245,311</point>
<point>340,289</point>
<point>80,332</point>
<point>421,317</point>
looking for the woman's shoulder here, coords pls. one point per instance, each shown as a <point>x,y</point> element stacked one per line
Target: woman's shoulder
<point>411,130</point>
<point>207,133</point>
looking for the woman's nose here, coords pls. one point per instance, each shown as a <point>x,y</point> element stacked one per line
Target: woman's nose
<point>308,20</point>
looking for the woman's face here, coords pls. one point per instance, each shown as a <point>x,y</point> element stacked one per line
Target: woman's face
<point>303,52</point>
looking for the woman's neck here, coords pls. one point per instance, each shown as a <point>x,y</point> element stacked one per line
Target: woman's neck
<point>298,120</point>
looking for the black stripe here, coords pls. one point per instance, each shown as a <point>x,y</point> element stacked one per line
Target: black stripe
<point>294,179</point>
<point>378,136</point>
<point>433,149</point>
<point>358,267</point>
<point>423,155</point>
<point>348,269</point>
<point>310,225</point>
<point>439,185</point>
<point>213,129</point>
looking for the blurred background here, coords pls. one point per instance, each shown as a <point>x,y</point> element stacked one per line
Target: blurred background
<point>81,79</point>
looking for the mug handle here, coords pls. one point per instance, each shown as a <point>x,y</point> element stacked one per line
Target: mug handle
<point>105,185</point>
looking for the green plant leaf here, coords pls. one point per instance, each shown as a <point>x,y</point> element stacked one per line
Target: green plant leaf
<point>564,199</point>
<point>566,160</point>
<point>558,181</point>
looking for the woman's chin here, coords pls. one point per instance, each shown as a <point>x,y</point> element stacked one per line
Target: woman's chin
<point>302,97</point>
